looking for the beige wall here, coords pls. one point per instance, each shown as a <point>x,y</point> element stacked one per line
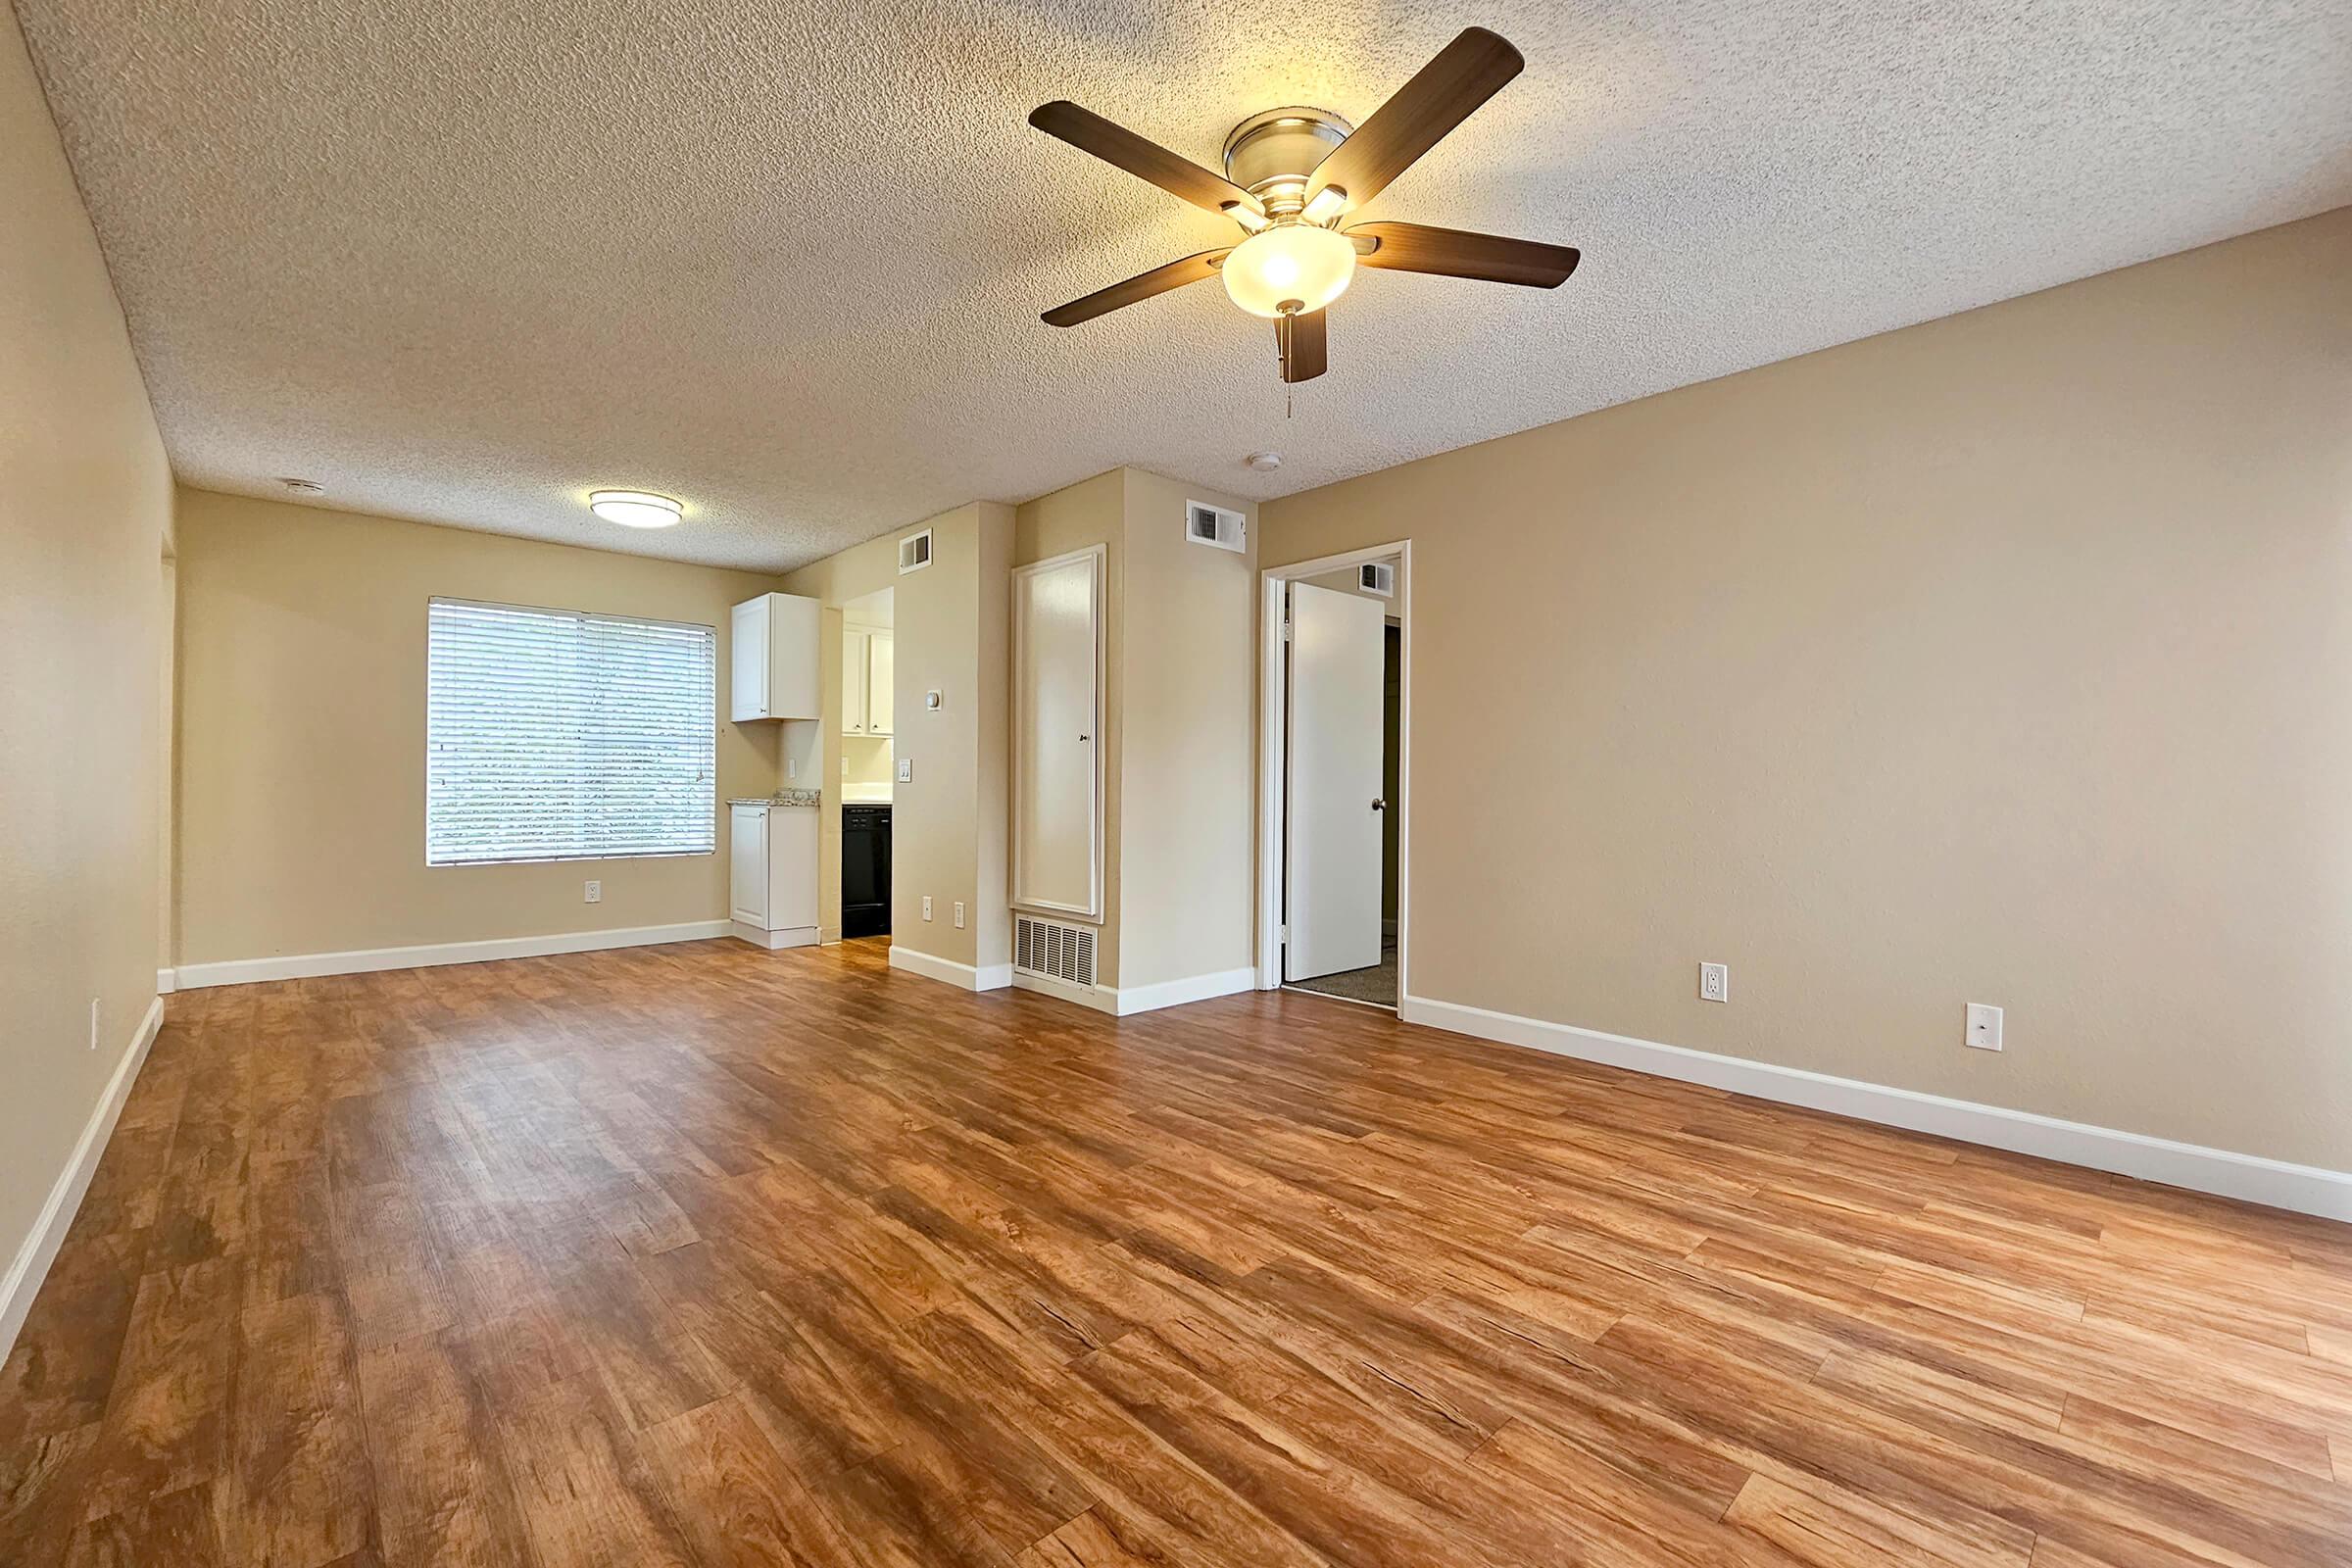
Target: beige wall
<point>85,519</point>
<point>866,759</point>
<point>302,689</point>
<point>2003,659</point>
<point>1187,746</point>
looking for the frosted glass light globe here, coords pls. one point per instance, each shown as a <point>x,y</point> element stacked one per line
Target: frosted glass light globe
<point>1289,261</point>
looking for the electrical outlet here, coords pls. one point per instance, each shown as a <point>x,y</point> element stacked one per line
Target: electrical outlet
<point>958,915</point>
<point>593,892</point>
<point>93,1023</point>
<point>1714,982</point>
<point>926,905</point>
<point>792,767</point>
<point>1984,1026</point>
<point>906,769</point>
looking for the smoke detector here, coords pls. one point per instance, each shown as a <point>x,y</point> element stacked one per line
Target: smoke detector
<point>302,487</point>
<point>1262,462</point>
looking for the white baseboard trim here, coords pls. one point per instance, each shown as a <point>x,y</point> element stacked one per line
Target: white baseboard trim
<point>1099,997</point>
<point>989,977</point>
<point>167,981</point>
<point>38,1251</point>
<point>306,965</point>
<point>1128,1000</point>
<point>1122,1004</point>
<point>796,936</point>
<point>2304,1188</point>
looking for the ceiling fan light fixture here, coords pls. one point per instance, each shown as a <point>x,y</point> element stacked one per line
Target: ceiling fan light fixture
<point>1290,268</point>
<point>635,509</point>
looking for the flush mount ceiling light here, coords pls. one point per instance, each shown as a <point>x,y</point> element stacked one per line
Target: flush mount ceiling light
<point>635,509</point>
<point>1290,176</point>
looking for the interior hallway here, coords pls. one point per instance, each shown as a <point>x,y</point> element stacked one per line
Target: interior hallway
<point>703,1255</point>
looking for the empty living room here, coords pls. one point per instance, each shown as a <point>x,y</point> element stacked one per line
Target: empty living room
<point>855,785</point>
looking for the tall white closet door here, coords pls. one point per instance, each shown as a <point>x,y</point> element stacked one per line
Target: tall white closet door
<point>1056,740</point>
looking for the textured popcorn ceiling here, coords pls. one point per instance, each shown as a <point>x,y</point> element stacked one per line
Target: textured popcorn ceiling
<point>460,261</point>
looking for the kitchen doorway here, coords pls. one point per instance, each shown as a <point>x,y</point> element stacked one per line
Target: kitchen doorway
<point>1334,788</point>
<point>868,761</point>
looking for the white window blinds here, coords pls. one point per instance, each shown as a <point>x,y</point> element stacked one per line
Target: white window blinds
<point>554,735</point>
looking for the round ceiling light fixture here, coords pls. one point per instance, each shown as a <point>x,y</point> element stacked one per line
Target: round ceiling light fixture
<point>635,509</point>
<point>1289,268</point>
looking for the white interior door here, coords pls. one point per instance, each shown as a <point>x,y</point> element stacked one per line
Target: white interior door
<point>1056,776</point>
<point>1331,896</point>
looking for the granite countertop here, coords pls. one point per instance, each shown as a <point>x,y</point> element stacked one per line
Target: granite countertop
<point>781,797</point>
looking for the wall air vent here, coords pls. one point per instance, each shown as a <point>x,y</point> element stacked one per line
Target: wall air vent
<point>1378,578</point>
<point>1205,524</point>
<point>914,552</point>
<point>1057,952</point>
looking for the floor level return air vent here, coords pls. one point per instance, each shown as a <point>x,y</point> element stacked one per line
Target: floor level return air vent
<point>1055,951</point>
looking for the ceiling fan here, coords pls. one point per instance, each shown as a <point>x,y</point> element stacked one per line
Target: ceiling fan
<point>1290,176</point>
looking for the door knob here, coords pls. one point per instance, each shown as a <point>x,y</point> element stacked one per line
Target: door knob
<point>1379,804</point>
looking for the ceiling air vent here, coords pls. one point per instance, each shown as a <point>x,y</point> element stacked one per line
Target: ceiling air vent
<point>1055,951</point>
<point>1205,524</point>
<point>914,552</point>
<point>1378,578</point>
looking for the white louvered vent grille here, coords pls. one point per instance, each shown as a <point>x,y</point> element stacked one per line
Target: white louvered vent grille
<point>914,552</point>
<point>557,735</point>
<point>1055,951</point>
<point>1205,524</point>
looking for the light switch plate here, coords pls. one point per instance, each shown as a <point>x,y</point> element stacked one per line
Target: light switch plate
<point>906,769</point>
<point>958,915</point>
<point>926,905</point>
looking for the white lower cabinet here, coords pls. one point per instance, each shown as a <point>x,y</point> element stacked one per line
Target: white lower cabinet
<point>772,857</point>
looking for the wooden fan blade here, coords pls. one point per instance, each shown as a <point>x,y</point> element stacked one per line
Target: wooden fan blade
<point>1303,343</point>
<point>1459,253</point>
<point>1142,286</point>
<point>1444,93</point>
<point>1090,132</point>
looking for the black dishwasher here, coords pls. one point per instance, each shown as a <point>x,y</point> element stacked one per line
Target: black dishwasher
<point>864,872</point>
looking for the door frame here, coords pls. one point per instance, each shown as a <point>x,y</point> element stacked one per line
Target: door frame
<point>1273,713</point>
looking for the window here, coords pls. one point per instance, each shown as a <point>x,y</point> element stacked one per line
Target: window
<point>555,735</point>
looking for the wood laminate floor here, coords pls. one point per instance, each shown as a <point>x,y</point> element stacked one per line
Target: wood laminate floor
<point>701,1255</point>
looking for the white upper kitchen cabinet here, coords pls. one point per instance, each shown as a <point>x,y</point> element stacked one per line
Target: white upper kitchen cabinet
<point>878,676</point>
<point>865,677</point>
<point>776,658</point>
